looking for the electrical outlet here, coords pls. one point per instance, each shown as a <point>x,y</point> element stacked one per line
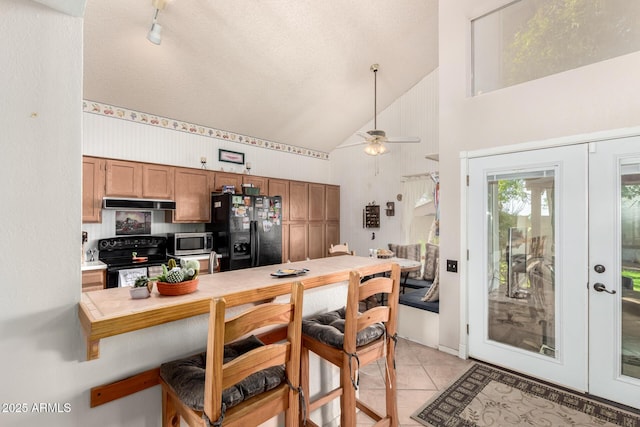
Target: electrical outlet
<point>452,266</point>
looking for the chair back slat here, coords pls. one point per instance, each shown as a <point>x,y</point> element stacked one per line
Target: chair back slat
<point>377,285</point>
<point>260,316</point>
<point>254,361</point>
<point>372,316</point>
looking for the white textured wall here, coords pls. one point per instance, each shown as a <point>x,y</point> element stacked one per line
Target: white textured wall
<point>40,338</point>
<point>597,97</point>
<point>364,179</point>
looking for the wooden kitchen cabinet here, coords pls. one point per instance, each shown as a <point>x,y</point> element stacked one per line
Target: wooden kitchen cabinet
<point>280,187</point>
<point>332,204</point>
<point>332,235</point>
<point>316,202</point>
<point>93,280</point>
<point>92,189</point>
<point>298,201</point>
<point>123,179</point>
<point>157,181</point>
<point>226,178</point>
<point>316,241</point>
<point>192,196</point>
<point>257,181</point>
<point>298,242</point>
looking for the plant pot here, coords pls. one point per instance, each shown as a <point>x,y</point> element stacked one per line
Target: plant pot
<point>182,288</point>
<point>139,293</point>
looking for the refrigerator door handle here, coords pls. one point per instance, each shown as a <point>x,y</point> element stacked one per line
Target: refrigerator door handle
<point>257,234</point>
<point>252,237</point>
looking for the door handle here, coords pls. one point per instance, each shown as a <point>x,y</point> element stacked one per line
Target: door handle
<point>599,287</point>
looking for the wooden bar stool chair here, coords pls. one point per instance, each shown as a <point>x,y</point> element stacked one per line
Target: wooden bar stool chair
<point>238,382</point>
<point>350,340</point>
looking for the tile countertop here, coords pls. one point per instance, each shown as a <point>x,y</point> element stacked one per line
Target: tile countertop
<point>93,265</point>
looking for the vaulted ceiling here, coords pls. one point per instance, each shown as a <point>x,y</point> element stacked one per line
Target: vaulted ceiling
<point>290,71</point>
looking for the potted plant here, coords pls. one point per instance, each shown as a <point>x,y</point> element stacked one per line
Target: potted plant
<point>141,288</point>
<point>178,280</point>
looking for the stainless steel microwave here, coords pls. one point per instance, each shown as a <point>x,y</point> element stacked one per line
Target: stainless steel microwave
<point>189,243</point>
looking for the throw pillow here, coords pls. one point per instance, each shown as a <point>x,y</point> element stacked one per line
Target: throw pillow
<point>431,259</point>
<point>433,293</point>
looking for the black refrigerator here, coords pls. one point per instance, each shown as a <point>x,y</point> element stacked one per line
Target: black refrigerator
<point>247,230</point>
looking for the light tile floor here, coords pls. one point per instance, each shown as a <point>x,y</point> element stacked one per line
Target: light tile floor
<point>421,372</point>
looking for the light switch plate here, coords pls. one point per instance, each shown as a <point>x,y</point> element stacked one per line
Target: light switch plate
<point>452,266</point>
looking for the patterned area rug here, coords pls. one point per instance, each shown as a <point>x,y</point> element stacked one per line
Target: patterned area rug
<point>485,396</point>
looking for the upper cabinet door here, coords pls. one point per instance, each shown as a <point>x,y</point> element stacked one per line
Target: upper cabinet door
<point>157,181</point>
<point>298,201</point>
<point>226,178</point>
<point>280,187</point>
<point>332,206</point>
<point>192,196</point>
<point>257,181</point>
<point>124,179</point>
<point>316,202</point>
<point>92,189</point>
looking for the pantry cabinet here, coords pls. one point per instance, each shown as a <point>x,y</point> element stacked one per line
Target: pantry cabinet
<point>316,240</point>
<point>298,201</point>
<point>298,242</point>
<point>92,189</point>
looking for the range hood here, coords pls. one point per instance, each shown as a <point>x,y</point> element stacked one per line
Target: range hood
<point>138,204</point>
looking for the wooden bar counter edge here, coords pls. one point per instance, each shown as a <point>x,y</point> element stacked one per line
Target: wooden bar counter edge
<point>110,312</point>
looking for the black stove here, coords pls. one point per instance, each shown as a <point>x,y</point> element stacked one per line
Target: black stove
<point>117,253</point>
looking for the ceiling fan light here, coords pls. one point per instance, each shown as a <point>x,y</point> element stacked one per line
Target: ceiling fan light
<point>371,150</point>
<point>382,149</point>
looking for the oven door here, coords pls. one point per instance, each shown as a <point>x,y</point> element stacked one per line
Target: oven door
<point>124,276</point>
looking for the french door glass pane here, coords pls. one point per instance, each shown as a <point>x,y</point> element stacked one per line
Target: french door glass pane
<point>630,241</point>
<point>521,236</point>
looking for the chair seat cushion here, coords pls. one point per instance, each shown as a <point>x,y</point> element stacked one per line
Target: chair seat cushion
<point>186,376</point>
<point>328,328</point>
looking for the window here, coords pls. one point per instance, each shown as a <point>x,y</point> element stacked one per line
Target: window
<point>529,39</point>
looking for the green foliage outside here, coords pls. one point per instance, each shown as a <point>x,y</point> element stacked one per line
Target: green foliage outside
<point>635,275</point>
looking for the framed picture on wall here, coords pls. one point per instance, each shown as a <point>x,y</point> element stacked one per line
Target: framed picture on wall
<point>231,156</point>
<point>133,222</point>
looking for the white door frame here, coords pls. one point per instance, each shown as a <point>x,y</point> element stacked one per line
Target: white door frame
<point>465,156</point>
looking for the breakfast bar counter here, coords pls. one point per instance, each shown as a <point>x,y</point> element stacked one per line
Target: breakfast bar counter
<point>110,312</point>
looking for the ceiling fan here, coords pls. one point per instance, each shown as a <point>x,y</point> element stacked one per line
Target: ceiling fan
<point>376,138</point>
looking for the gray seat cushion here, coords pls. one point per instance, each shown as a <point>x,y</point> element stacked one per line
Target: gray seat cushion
<point>186,376</point>
<point>328,328</point>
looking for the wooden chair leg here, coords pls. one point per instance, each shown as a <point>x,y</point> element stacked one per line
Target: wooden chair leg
<point>170,417</point>
<point>348,398</point>
<point>304,379</point>
<point>391,396</point>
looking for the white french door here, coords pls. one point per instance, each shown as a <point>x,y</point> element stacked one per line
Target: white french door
<point>554,265</point>
<point>527,290</point>
<point>614,263</point>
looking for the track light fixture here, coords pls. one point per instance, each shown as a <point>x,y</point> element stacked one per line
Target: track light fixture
<point>154,35</point>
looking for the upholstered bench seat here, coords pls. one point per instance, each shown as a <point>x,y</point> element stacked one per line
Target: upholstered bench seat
<point>416,283</point>
<point>328,328</point>
<point>413,299</point>
<point>186,376</point>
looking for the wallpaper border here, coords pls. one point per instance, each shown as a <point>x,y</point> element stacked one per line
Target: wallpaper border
<point>107,110</point>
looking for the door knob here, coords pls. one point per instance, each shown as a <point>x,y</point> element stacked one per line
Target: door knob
<point>599,287</point>
<point>599,268</point>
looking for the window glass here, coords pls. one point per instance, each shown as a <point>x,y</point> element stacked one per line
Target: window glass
<point>529,39</point>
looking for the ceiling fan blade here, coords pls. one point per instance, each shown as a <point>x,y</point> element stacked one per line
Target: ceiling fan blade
<point>351,144</point>
<point>403,139</point>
